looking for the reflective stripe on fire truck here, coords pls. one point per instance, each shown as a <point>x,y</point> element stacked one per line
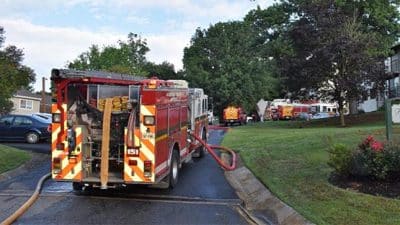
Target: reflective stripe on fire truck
<point>146,136</point>
<point>70,168</point>
<point>161,167</point>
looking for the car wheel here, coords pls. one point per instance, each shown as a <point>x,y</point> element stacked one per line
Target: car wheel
<point>32,137</point>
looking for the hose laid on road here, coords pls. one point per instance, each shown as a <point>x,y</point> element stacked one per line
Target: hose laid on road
<point>28,203</point>
<point>210,149</point>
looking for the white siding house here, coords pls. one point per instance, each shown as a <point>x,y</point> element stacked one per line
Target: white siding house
<point>25,103</point>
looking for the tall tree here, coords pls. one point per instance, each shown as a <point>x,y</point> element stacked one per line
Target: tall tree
<point>223,61</point>
<point>128,57</point>
<point>335,47</point>
<point>340,47</point>
<point>13,74</point>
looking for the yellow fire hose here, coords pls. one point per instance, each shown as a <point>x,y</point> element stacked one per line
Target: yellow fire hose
<point>28,203</point>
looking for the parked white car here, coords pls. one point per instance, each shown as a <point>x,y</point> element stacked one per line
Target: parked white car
<point>322,115</point>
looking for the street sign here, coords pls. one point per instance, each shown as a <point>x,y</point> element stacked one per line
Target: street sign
<point>396,113</point>
<point>392,115</point>
<point>261,105</point>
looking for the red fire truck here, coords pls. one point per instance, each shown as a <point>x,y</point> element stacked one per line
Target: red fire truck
<point>299,109</point>
<point>111,129</point>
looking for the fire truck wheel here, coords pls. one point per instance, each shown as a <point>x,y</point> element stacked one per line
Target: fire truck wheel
<point>77,186</point>
<point>32,137</point>
<point>202,149</point>
<point>174,170</point>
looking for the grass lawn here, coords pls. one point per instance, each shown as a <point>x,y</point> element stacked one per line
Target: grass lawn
<point>290,157</point>
<point>11,158</point>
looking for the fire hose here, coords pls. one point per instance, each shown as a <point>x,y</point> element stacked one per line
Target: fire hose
<point>35,195</point>
<point>28,203</point>
<point>211,150</point>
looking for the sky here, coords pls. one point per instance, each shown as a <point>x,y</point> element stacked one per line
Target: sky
<point>54,32</point>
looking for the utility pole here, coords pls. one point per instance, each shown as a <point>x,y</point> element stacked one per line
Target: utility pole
<point>43,104</point>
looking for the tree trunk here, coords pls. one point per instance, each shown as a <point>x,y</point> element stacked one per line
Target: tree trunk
<point>342,122</point>
<point>341,112</point>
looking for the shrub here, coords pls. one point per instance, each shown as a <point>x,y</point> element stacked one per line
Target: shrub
<point>372,158</point>
<point>340,158</point>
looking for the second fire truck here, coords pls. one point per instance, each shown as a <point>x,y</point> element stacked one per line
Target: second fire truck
<point>111,129</point>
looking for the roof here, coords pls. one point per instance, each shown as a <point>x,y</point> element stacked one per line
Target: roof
<point>26,93</point>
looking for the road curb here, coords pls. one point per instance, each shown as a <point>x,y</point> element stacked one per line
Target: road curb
<point>36,158</point>
<point>260,202</point>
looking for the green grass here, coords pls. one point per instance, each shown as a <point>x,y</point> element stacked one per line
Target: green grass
<point>11,158</point>
<point>290,158</point>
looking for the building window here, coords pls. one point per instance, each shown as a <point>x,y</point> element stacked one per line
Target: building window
<point>25,104</point>
<point>395,63</point>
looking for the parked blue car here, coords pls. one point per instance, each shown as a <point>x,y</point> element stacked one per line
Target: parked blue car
<point>23,127</point>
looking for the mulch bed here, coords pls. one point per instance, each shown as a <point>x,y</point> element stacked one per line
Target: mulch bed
<point>389,188</point>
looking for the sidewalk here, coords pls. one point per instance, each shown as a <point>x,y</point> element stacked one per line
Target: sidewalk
<point>263,206</point>
<point>260,202</point>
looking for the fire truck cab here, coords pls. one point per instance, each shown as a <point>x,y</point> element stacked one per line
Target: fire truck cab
<point>112,129</point>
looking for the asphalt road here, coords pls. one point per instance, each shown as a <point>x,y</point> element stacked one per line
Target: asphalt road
<point>202,196</point>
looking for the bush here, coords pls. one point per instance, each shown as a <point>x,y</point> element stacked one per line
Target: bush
<point>340,158</point>
<point>372,158</point>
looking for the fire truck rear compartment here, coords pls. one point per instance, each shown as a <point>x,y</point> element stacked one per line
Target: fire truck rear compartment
<point>85,111</point>
<point>92,164</point>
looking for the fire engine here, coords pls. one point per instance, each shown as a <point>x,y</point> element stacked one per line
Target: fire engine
<point>113,129</point>
<point>299,109</point>
<point>283,109</point>
<point>232,114</point>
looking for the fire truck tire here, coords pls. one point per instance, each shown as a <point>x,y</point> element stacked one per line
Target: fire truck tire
<point>77,186</point>
<point>174,170</point>
<point>32,137</point>
<point>202,149</point>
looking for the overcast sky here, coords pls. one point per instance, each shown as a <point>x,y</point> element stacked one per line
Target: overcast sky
<point>53,32</point>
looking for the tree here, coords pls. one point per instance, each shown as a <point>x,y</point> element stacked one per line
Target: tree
<point>334,47</point>
<point>128,57</point>
<point>164,71</point>
<point>222,60</point>
<point>13,75</point>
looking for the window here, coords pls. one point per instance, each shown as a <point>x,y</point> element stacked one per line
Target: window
<point>25,104</point>
<point>6,120</point>
<point>22,121</point>
<point>395,63</point>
